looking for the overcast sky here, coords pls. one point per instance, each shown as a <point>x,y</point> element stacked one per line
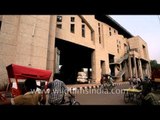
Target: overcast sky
<point>147,27</point>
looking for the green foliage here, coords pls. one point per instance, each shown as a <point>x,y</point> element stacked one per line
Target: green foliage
<point>154,64</point>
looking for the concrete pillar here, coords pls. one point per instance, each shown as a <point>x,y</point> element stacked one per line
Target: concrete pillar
<point>135,66</point>
<point>103,67</point>
<point>93,65</point>
<point>88,73</point>
<point>57,60</point>
<point>130,66</point>
<point>120,67</point>
<point>140,68</point>
<point>51,44</point>
<point>126,70</point>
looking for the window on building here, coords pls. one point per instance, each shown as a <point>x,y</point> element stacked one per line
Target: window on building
<point>72,19</point>
<point>83,30</point>
<point>125,48</point>
<point>144,50</point>
<point>110,33</point>
<point>102,37</point>
<point>59,26</point>
<point>118,47</point>
<point>114,31</point>
<point>59,18</point>
<point>72,28</point>
<point>99,32</point>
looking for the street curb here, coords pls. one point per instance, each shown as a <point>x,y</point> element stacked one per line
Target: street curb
<point>93,86</point>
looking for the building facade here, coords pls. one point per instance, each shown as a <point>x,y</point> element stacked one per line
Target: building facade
<point>72,43</point>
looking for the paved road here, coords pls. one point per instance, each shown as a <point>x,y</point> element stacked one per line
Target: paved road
<point>98,97</point>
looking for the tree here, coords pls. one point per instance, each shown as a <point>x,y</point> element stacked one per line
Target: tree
<point>154,64</point>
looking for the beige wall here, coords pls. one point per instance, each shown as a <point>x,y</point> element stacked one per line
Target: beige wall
<point>76,37</point>
<point>30,39</point>
<point>8,42</point>
<point>33,41</point>
<point>24,41</point>
<point>138,42</point>
<point>143,52</point>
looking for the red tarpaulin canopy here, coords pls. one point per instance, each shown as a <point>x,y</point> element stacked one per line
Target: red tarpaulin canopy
<point>24,72</point>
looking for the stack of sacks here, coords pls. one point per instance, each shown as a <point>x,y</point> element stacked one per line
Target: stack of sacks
<point>82,77</point>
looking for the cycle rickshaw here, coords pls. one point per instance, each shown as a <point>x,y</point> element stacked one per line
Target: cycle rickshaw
<point>16,76</point>
<point>132,95</point>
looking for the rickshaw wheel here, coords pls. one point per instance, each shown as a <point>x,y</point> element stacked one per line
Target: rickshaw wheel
<point>76,103</point>
<point>126,97</point>
<point>139,99</point>
<point>131,96</point>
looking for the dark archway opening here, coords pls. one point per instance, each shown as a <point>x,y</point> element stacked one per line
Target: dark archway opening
<point>73,58</point>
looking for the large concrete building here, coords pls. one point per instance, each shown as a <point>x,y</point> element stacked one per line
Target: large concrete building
<point>70,43</point>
